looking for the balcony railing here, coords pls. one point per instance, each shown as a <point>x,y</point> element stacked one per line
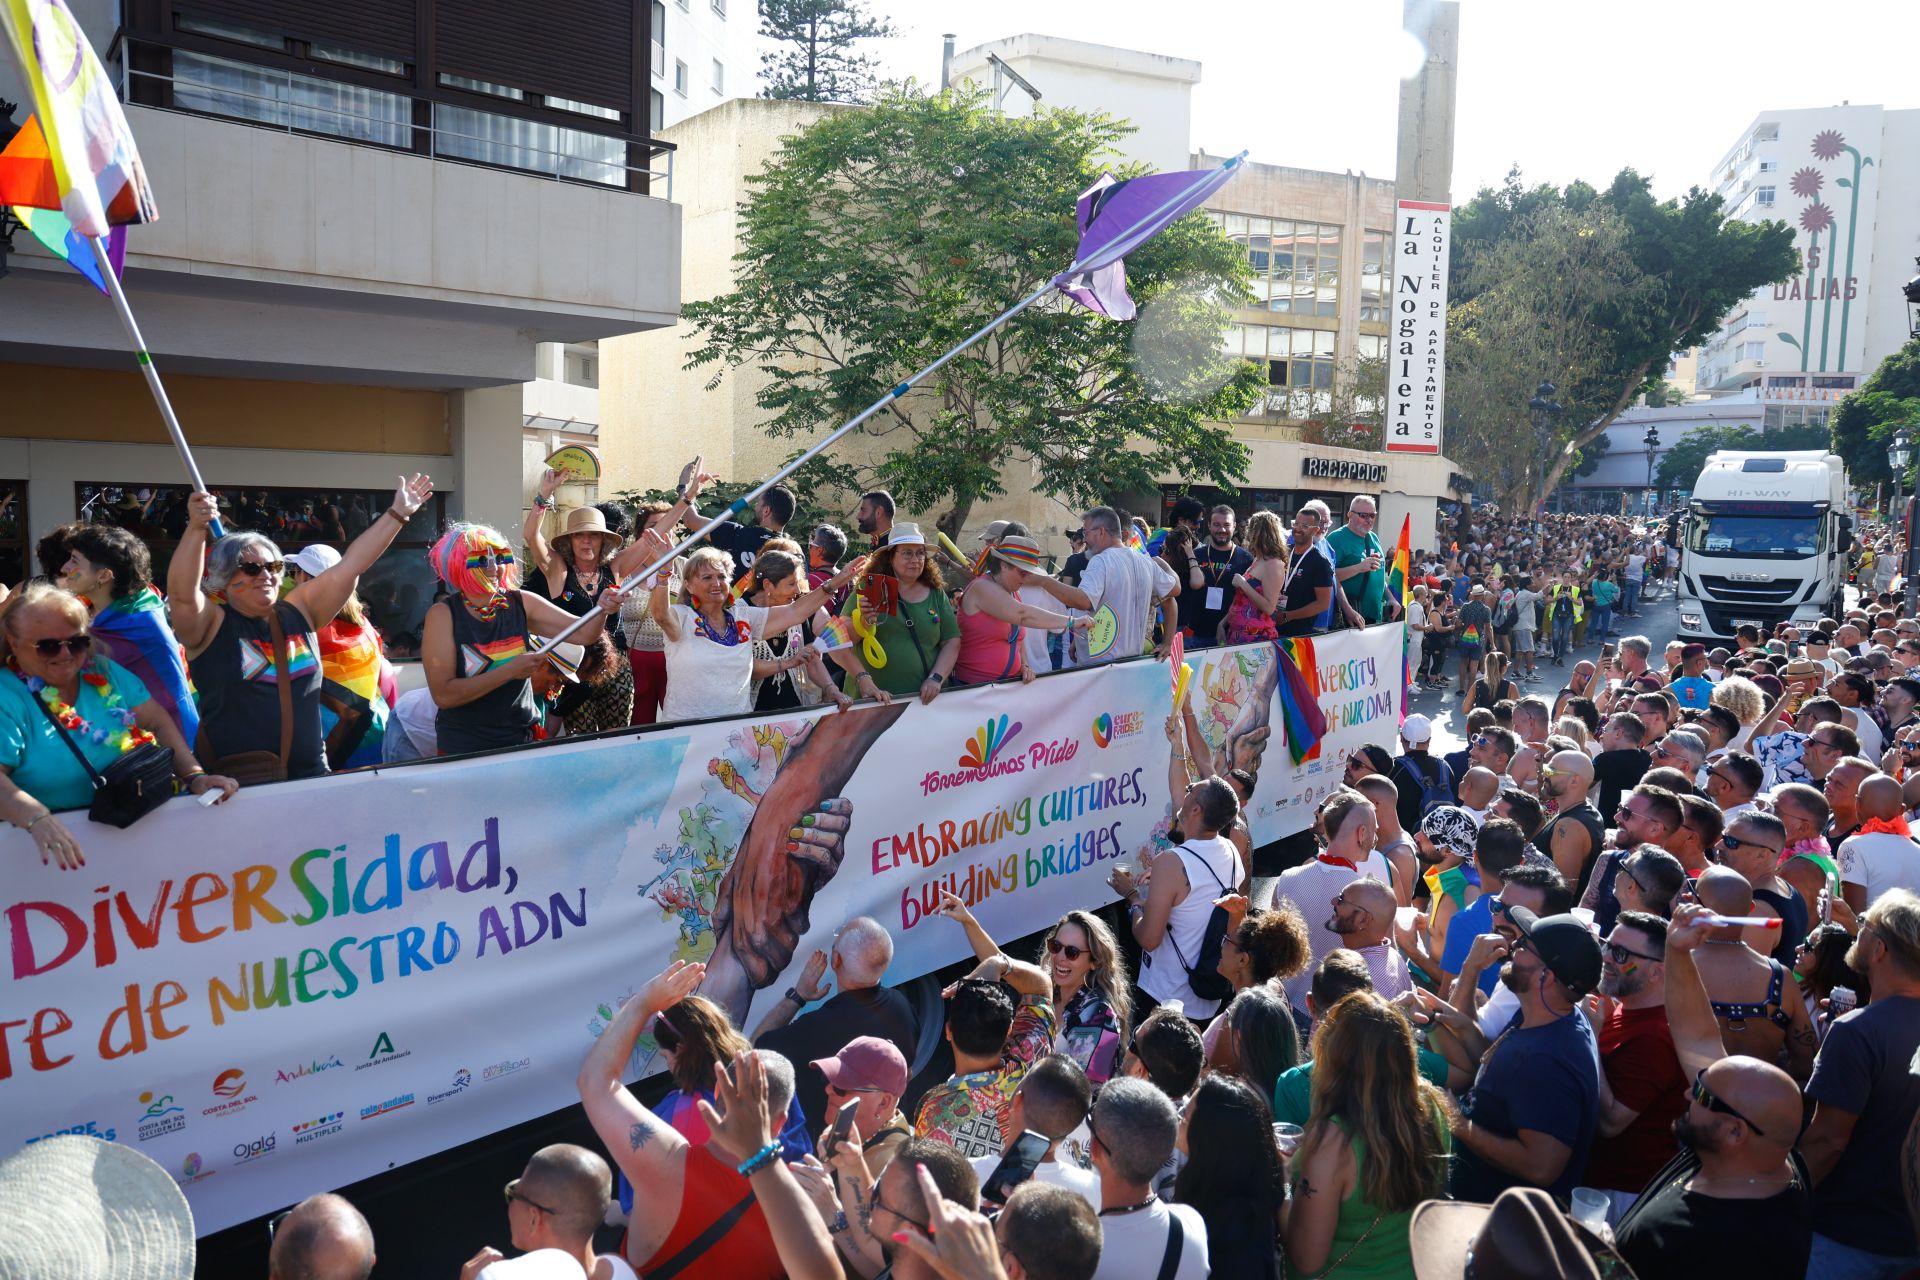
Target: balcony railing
<point>441,126</point>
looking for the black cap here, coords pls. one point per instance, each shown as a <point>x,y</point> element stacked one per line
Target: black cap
<point>1565,945</point>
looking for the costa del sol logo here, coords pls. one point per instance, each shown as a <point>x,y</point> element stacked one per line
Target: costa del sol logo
<point>984,747</point>
<point>229,1083</point>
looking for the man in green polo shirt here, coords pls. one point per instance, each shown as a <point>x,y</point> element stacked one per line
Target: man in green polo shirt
<point>1359,566</point>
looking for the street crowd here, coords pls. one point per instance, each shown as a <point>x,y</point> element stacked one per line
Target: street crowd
<point>1630,985</point>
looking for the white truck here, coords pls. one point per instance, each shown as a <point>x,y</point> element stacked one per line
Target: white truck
<point>1765,540</point>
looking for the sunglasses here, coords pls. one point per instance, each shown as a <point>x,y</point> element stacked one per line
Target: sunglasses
<point>512,1190</point>
<point>1714,1102</point>
<point>1055,947</point>
<point>1497,907</point>
<point>1732,842</point>
<point>1366,515</point>
<point>254,568</point>
<point>1622,954</point>
<point>75,645</point>
<point>1823,744</point>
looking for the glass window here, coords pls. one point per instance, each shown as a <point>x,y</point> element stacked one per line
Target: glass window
<point>353,58</point>
<point>241,91</point>
<point>230,31</point>
<point>580,108</point>
<point>396,590</point>
<point>656,110</point>
<point>481,86</point>
<point>581,365</point>
<point>719,77</point>
<point>1259,253</point>
<point>528,144</point>
<point>13,533</point>
<point>680,77</point>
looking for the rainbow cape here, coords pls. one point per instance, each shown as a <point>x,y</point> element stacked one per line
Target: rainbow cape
<point>1298,688</point>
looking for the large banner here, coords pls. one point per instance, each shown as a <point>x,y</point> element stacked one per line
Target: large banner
<point>1417,351</point>
<point>320,980</point>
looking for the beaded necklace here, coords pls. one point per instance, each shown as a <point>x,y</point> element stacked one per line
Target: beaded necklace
<point>129,736</point>
<point>730,633</point>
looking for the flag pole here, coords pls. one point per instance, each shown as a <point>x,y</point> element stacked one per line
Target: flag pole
<point>742,503</point>
<point>145,358</point>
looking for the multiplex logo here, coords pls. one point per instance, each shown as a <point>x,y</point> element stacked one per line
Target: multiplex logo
<point>248,1152</point>
<point>1106,728</point>
<point>382,1053</point>
<point>311,1067</point>
<point>987,742</point>
<point>309,1130</point>
<point>391,1104</point>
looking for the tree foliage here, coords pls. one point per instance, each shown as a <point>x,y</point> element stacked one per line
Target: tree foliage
<point>813,57</point>
<point>1356,418</point>
<point>1864,422</point>
<point>1677,270</point>
<point>1680,465</point>
<point>877,239</point>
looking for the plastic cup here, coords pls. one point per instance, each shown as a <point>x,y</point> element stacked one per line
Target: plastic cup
<point>1288,1137</point>
<point>1591,1208</point>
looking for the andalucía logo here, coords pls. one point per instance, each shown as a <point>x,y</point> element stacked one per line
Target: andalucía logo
<point>191,1169</point>
<point>461,1079</point>
<point>383,1052</point>
<point>506,1068</point>
<point>247,1152</point>
<point>312,1067</point>
<point>308,1130</point>
<point>984,747</point>
<point>161,1116</point>
<point>230,1084</point>
<point>391,1104</point>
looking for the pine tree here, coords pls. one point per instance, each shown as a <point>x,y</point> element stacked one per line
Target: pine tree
<point>813,59</point>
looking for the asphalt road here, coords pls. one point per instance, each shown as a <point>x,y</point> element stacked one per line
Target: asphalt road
<point>1660,622</point>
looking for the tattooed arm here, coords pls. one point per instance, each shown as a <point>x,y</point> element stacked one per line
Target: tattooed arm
<point>646,1148</point>
<point>1323,1172</point>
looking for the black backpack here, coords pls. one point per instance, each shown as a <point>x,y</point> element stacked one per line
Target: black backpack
<point>1203,972</point>
<point>1435,790</point>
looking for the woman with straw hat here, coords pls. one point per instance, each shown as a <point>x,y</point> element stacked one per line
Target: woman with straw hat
<point>574,563</point>
<point>991,616</point>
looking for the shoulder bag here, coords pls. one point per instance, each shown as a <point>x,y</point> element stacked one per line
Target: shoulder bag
<point>250,768</point>
<point>130,788</point>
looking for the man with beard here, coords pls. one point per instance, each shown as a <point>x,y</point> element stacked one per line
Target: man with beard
<point>1642,1090</point>
<point>1576,834</point>
<point>1363,915</point>
<point>874,517</point>
<point>1737,1200</point>
<point>1530,1116</point>
<point>1209,585</point>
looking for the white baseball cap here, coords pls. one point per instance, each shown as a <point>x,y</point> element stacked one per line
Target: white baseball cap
<point>314,559</point>
<point>1417,729</point>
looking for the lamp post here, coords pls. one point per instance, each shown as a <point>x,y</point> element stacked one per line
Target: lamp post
<point>1544,411</point>
<point>1652,441</point>
<point>1899,453</point>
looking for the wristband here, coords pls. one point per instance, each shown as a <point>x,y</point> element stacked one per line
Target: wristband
<point>395,513</point>
<point>793,994</point>
<point>759,1160</point>
<point>543,502</point>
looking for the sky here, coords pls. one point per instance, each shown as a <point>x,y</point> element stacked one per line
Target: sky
<point>1563,90</point>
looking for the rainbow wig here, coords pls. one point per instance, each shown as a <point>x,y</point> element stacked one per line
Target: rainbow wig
<point>474,560</point>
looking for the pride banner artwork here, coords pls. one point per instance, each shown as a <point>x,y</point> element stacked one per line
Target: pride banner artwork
<point>320,980</point>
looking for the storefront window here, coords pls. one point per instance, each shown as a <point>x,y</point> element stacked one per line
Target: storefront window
<point>14,552</point>
<point>396,591</point>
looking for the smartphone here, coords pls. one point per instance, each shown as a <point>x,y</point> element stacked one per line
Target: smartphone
<point>1015,1167</point>
<point>842,1124</point>
<point>1606,651</point>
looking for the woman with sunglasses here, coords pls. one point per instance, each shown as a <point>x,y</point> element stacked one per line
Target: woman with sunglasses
<point>226,606</point>
<point>53,674</point>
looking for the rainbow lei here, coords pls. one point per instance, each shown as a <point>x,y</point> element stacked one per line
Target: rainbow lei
<point>130,735</point>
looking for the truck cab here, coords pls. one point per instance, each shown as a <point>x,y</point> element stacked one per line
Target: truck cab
<point>1765,540</point>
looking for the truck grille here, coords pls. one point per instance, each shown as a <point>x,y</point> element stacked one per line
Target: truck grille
<point>1734,593</point>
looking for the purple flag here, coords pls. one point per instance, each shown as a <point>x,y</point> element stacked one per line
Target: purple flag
<point>1117,217</point>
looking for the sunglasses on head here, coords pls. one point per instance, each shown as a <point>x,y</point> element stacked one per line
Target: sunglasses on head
<point>254,568</point>
<point>75,645</point>
<point>1055,947</point>
<point>1714,1102</point>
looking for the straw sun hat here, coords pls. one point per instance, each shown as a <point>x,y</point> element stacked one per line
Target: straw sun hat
<point>589,520</point>
<point>78,1208</point>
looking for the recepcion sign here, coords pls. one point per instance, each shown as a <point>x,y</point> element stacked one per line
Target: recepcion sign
<point>1417,351</point>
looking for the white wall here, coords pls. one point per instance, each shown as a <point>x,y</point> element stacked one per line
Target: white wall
<point>697,34</point>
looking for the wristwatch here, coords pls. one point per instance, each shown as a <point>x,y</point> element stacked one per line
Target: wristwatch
<point>793,994</point>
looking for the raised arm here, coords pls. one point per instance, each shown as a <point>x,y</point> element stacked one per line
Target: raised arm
<point>795,612</point>
<point>321,598</point>
<point>1696,1032</point>
<point>742,1130</point>
<point>195,618</point>
<point>636,556</point>
<point>1071,597</point>
<point>533,533</point>
<point>994,600</point>
<point>984,947</point>
<point>545,618</point>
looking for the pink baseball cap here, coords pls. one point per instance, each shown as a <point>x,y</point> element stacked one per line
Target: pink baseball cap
<point>867,1063</point>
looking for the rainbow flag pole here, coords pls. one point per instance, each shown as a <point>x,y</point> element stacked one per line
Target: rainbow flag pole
<point>1400,581</point>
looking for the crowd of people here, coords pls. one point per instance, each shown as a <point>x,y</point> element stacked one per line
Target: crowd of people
<point>1619,988</point>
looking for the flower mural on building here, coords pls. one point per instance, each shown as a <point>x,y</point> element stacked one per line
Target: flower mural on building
<point>1807,183</point>
<point>1828,144</point>
<point>1821,283</point>
<point>1815,218</point>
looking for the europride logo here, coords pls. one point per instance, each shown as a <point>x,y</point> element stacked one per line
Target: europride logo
<point>987,742</point>
<point>312,1067</point>
<point>162,1116</point>
<point>462,1079</point>
<point>391,1104</point>
<point>1107,728</point>
<point>321,1127</point>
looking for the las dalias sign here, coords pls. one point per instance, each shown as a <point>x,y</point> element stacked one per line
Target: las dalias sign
<point>321,979</point>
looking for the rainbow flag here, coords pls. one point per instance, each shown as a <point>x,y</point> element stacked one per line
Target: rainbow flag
<point>1298,687</point>
<point>51,228</point>
<point>1399,581</point>
<point>85,164</point>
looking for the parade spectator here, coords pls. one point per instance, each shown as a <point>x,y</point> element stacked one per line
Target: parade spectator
<point>1473,635</point>
<point>992,618</point>
<point>874,517</point>
<point>1348,822</point>
<point>1260,1041</point>
<point>1642,1090</point>
<point>358,680</point>
<point>1359,562</point>
<point>1116,580</point>
<point>1267,947</point>
<point>1752,846</point>
<point>1052,1099</point>
<point>1457,918</point>
<point>788,670</point>
<point>1048,1233</point>
<point>1169,919</point>
<point>1135,1128</point>
<point>112,571</point>
<point>912,620</point>
<point>1493,686</point>
<point>1623,760</point>
<point>868,1071</point>
<point>60,701</point>
<point>1363,917</point>
<point>574,567</point>
<point>1733,782</point>
<point>232,642</point>
<point>1257,590</point>
<point>322,1238</point>
<point>1760,1009</point>
<point>1234,1175</point>
<point>1376,1144</point>
<point>1165,1052</point>
<point>999,1023</point>
<point>557,1203</point>
<point>1422,780</point>
<point>477,643</point>
<point>1882,854</point>
<point>1576,835</point>
<point>1820,965</point>
<point>862,950</point>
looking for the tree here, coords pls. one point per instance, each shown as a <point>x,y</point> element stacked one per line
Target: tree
<point>1696,265</point>
<point>1864,422</point>
<point>1356,417</point>
<point>877,239</point>
<point>1680,465</point>
<point>813,58</point>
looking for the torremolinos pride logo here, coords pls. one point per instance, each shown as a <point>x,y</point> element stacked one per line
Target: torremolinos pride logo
<point>987,742</point>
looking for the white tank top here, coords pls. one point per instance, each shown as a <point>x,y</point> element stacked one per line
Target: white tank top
<point>1164,977</point>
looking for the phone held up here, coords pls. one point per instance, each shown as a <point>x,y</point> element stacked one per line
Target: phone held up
<point>1015,1167</point>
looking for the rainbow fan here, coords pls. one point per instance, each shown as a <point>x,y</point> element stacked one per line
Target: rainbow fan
<point>986,742</point>
<point>837,633</point>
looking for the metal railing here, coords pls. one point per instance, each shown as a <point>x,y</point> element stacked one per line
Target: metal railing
<point>283,110</point>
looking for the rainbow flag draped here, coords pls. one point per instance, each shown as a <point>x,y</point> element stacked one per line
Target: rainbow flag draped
<point>88,167</point>
<point>1400,583</point>
<point>1298,688</point>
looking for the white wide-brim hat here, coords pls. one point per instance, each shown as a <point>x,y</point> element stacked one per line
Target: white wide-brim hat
<point>78,1208</point>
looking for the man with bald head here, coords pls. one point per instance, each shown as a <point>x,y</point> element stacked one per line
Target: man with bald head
<point>1752,846</point>
<point>322,1238</point>
<point>1363,914</point>
<point>862,950</point>
<point>1737,1199</point>
<point>1755,999</point>
<point>1865,1098</point>
<point>1842,790</point>
<point>557,1202</point>
<point>1882,855</point>
<point>1576,833</point>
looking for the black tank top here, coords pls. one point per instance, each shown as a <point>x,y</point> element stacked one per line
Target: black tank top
<point>505,716</point>
<point>1589,817</point>
<point>240,697</point>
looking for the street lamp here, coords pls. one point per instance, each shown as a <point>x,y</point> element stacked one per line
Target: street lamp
<point>1652,441</point>
<point>1544,410</point>
<point>1899,453</point>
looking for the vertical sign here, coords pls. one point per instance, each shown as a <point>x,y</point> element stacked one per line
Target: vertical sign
<point>1417,352</point>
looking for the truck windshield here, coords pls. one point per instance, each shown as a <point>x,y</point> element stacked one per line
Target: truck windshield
<point>1722,534</point>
